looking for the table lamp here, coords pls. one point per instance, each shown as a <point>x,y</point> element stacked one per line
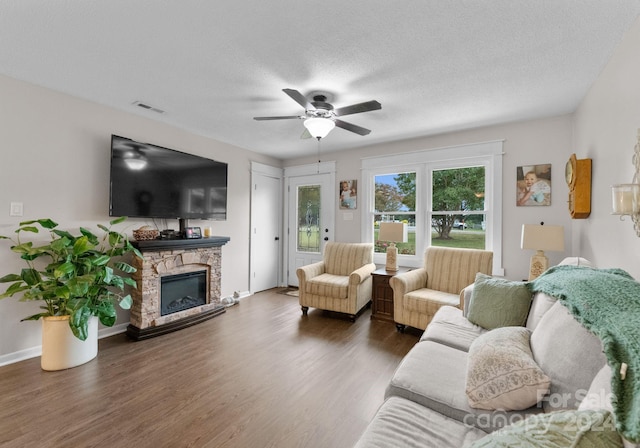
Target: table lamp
<point>541,238</point>
<point>393,232</point>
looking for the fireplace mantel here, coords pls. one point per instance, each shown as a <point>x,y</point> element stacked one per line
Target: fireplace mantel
<point>180,243</point>
<point>170,257</point>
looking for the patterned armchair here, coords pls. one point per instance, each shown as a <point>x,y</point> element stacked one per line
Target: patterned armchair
<point>418,294</point>
<point>341,282</point>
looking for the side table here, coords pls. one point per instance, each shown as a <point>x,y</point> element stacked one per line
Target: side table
<point>382,300</point>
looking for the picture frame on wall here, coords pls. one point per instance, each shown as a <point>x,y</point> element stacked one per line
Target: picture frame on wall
<point>348,194</point>
<point>533,185</point>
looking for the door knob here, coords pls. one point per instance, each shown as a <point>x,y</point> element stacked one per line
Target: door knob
<point>326,238</point>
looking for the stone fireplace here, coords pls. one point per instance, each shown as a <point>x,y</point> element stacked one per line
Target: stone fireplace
<point>178,285</point>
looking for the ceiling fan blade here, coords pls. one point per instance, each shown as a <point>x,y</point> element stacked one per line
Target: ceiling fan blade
<point>358,108</point>
<point>284,117</point>
<point>299,98</point>
<point>352,127</point>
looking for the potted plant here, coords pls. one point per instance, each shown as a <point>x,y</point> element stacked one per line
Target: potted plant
<point>78,277</point>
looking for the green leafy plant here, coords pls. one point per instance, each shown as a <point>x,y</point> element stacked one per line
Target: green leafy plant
<point>74,275</point>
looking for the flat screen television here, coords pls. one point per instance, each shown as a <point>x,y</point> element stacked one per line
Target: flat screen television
<point>149,181</point>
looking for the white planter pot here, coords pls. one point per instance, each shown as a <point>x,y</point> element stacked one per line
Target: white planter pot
<point>61,349</point>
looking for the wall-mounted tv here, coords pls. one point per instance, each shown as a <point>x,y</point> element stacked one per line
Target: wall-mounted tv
<point>150,181</point>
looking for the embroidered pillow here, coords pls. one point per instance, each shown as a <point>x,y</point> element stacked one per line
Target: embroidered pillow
<point>501,371</point>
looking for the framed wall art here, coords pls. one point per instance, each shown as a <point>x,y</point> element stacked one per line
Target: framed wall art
<point>533,185</point>
<point>348,194</point>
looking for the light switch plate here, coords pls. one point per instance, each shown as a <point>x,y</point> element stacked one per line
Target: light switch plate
<point>16,209</point>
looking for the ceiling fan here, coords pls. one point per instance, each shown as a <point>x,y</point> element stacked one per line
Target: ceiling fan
<point>320,117</point>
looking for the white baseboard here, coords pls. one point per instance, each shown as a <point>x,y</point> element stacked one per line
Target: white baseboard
<point>34,352</point>
<point>20,355</point>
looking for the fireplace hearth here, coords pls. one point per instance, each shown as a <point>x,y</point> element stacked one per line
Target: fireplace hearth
<point>178,285</point>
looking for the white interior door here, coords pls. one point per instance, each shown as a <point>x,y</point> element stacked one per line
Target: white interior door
<point>266,227</point>
<point>311,202</point>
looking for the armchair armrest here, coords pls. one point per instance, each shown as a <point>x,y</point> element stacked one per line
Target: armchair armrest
<point>408,281</point>
<point>361,274</point>
<point>309,271</point>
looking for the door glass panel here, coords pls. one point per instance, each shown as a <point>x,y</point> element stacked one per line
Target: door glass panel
<point>308,231</point>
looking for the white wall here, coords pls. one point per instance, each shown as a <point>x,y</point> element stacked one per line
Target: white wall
<point>525,143</point>
<point>55,160</point>
<point>606,128</point>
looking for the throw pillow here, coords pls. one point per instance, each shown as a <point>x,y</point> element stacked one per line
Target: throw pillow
<point>580,429</point>
<point>501,371</point>
<point>497,302</point>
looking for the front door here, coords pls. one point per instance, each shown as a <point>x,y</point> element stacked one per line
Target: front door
<point>311,217</point>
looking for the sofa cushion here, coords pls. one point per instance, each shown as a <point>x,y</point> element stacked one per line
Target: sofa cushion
<point>449,327</point>
<point>599,394</point>
<point>434,376</point>
<point>328,285</point>
<point>579,429</point>
<point>406,424</point>
<point>501,372</point>
<point>569,354</point>
<point>429,301</point>
<point>497,302</point>
<point>540,304</point>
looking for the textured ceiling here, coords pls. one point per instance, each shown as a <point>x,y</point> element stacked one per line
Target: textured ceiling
<point>436,66</point>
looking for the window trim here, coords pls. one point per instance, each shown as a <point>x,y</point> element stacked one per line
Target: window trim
<point>487,154</point>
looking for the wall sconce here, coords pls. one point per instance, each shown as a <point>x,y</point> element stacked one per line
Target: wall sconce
<point>541,238</point>
<point>394,232</point>
<point>626,197</point>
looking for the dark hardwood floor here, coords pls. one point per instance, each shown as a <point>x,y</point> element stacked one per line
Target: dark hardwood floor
<point>259,375</point>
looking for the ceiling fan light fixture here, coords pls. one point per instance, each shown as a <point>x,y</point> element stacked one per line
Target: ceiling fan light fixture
<point>319,127</point>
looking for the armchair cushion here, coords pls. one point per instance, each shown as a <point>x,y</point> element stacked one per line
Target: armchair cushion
<point>429,301</point>
<point>328,285</point>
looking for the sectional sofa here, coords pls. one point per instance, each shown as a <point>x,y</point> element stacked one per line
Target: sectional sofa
<point>512,367</point>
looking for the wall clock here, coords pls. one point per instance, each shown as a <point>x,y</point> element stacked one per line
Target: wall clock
<point>578,177</point>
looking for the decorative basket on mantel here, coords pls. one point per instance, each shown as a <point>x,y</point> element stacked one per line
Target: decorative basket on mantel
<point>145,233</point>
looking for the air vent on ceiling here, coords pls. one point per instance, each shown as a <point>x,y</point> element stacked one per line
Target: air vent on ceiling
<point>147,107</point>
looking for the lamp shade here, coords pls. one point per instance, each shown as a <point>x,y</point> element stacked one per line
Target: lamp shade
<point>543,238</point>
<point>393,231</point>
<point>319,127</point>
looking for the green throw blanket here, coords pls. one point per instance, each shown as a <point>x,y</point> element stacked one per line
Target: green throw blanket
<point>606,302</point>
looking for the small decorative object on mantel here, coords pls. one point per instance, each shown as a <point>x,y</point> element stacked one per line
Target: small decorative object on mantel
<point>78,279</point>
<point>626,197</point>
<point>146,233</point>
<point>578,177</point>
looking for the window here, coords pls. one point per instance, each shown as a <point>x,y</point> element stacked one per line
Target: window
<point>458,217</point>
<point>395,200</point>
<point>447,197</point>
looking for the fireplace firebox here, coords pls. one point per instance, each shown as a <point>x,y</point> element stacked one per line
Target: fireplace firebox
<point>182,291</point>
